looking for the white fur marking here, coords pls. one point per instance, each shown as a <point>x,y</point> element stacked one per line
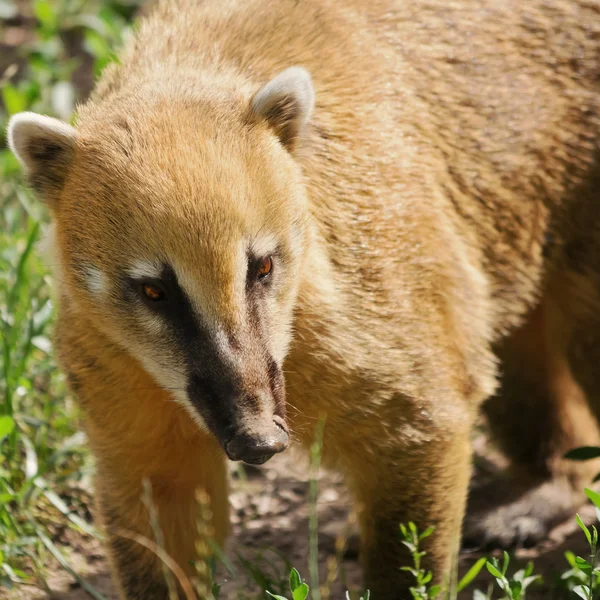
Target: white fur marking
<point>153,323</point>
<point>27,126</point>
<point>264,245</point>
<point>175,384</point>
<point>295,82</point>
<point>144,269</point>
<point>95,280</point>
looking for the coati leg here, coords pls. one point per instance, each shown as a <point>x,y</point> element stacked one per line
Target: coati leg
<point>424,482</point>
<point>138,571</point>
<point>137,432</point>
<point>540,413</point>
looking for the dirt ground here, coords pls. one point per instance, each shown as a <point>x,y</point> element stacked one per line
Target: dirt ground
<point>270,510</point>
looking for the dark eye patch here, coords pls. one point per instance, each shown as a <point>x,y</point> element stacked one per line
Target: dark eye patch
<point>256,268</point>
<point>161,294</point>
<point>185,327</point>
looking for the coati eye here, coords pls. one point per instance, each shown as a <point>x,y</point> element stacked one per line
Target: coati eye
<point>153,292</point>
<point>265,267</point>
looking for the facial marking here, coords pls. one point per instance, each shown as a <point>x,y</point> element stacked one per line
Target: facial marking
<point>220,299</point>
<point>154,324</point>
<point>95,280</point>
<point>145,269</point>
<point>263,245</point>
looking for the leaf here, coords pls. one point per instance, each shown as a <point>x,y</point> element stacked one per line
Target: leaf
<point>426,533</point>
<point>411,547</point>
<point>593,496</point>
<point>42,9</point>
<point>31,459</point>
<point>14,100</point>
<point>295,580</point>
<point>504,585</point>
<point>301,592</point>
<point>583,565</point>
<point>57,501</point>
<point>519,575</point>
<point>479,595</point>
<point>529,580</point>
<point>506,562</point>
<point>516,586</point>
<point>583,453</point>
<point>582,562</point>
<point>585,530</point>
<point>41,342</point>
<point>7,424</point>
<point>493,570</point>
<point>276,596</point>
<point>582,591</point>
<point>216,590</point>
<point>471,574</point>
<point>570,574</point>
<point>83,525</point>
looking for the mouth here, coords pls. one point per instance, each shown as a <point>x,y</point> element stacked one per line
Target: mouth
<point>256,445</point>
<point>258,460</point>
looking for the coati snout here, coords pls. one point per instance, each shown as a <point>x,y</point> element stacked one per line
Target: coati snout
<point>257,443</point>
<point>250,425</point>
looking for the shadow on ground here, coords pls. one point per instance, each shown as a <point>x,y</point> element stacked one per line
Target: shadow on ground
<point>270,511</point>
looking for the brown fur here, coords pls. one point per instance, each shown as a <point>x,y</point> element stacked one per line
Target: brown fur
<point>450,171</point>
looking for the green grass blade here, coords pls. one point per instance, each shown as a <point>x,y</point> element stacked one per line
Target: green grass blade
<point>470,575</point>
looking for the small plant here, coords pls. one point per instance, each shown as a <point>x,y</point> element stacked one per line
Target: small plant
<point>298,588</point>
<point>578,576</point>
<point>586,571</point>
<point>513,588</point>
<point>412,539</point>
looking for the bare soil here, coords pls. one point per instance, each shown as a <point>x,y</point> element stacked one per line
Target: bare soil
<point>270,514</point>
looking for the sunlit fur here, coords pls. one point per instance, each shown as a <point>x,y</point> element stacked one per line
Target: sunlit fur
<point>442,196</point>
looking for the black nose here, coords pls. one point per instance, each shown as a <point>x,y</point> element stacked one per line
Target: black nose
<point>257,448</point>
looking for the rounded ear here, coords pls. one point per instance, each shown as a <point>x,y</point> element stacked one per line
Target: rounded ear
<point>45,147</point>
<point>286,103</point>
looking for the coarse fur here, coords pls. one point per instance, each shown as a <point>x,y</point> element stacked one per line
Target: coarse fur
<point>433,217</point>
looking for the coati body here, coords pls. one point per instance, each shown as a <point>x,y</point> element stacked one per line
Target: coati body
<point>382,234</point>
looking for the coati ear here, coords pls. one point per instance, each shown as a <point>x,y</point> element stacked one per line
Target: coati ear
<point>45,147</point>
<point>286,103</point>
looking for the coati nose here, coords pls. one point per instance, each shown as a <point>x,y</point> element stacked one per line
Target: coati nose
<point>256,448</point>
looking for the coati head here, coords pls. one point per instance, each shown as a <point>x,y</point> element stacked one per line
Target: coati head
<point>181,226</point>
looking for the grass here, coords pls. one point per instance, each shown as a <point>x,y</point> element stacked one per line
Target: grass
<point>44,466</point>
